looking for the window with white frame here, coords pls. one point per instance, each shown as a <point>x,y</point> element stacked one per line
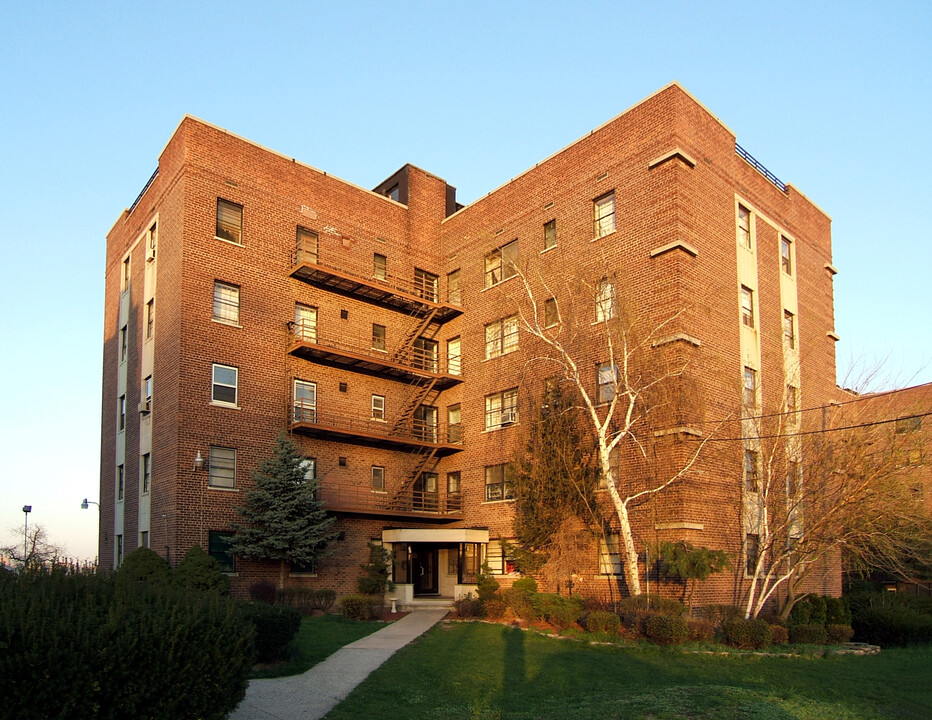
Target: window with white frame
<point>120,481</point>
<point>744,227</point>
<point>501,409</point>
<point>603,211</point>
<point>501,337</point>
<point>305,401</point>
<point>792,403</point>
<point>499,482</point>
<point>786,255</point>
<point>747,306</point>
<point>426,285</point>
<point>550,234</point>
<point>121,411</point>
<point>749,396</point>
<point>147,389</point>
<point>604,300</point>
<point>226,302</point>
<point>378,478</point>
<point>501,264</point>
<point>454,291</point>
<point>425,354</point>
<point>222,467</point>
<point>454,357</point>
<point>789,329</point>
<point>150,318</point>
<point>306,246</point>
<point>454,482</point>
<point>606,381</point>
<point>229,221</point>
<point>146,472</point>
<point>218,547</point>
<point>125,276</point>
<point>305,323</point>
<point>610,555</point>
<point>378,337</point>
<point>425,423</point>
<point>378,407</point>
<point>124,343</point>
<point>751,552</point>
<point>379,266</point>
<point>750,471</point>
<point>551,315</point>
<point>224,385</point>
<point>144,538</point>
<point>454,424</point>
<point>118,549</point>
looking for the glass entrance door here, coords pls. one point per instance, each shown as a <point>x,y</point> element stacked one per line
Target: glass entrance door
<point>424,569</point>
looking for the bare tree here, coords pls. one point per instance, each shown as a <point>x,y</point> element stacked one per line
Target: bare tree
<point>38,549</point>
<point>637,386</point>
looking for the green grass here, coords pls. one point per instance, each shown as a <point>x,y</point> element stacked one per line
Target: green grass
<point>484,672</point>
<point>317,638</point>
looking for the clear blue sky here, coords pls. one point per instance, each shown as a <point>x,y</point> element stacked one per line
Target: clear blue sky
<point>832,97</point>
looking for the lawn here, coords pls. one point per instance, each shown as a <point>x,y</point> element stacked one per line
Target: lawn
<point>318,638</point>
<point>484,671</point>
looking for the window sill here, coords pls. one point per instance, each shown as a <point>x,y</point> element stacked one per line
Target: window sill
<point>498,502</point>
<point>500,282</point>
<point>500,427</point>
<point>218,488</point>
<point>228,242</point>
<point>495,357</point>
<point>228,406</point>
<point>379,492</point>
<point>228,323</point>
<point>596,239</point>
<point>302,574</point>
<point>546,250</point>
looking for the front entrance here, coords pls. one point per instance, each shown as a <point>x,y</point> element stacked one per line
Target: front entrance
<point>424,569</point>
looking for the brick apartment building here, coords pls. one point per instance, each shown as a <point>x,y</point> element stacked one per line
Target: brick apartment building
<point>248,293</point>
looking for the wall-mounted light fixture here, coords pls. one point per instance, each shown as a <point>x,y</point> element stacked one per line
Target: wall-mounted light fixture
<point>199,462</point>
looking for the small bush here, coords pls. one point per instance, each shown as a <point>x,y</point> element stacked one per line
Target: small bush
<point>199,571</point>
<point>603,621</point>
<point>666,629</point>
<point>263,591</point>
<point>634,611</point>
<point>324,599</point>
<point>301,599</point>
<point>811,610</point>
<point>520,603</point>
<point>494,609</point>
<point>376,577</point>
<point>839,634</point>
<point>486,585</point>
<point>700,630</point>
<point>837,611</point>
<point>781,635</point>
<point>718,615</point>
<point>800,614</point>
<point>559,611</point>
<point>526,586</point>
<point>467,607</point>
<point>275,626</point>
<point>811,634</point>
<point>144,565</point>
<point>751,634</point>
<point>361,607</point>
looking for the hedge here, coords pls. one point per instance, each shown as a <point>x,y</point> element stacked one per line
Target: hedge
<point>603,621</point>
<point>751,634</point>
<point>361,607</point>
<point>559,611</point>
<point>666,629</point>
<point>811,633</point>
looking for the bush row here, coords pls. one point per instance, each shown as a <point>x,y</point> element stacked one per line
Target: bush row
<point>885,618</point>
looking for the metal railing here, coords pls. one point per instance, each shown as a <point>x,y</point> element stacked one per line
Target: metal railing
<point>759,167</point>
<point>359,497</point>
<point>144,188</point>
<point>417,431</point>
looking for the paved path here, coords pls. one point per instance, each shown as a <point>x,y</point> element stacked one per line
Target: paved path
<point>313,694</point>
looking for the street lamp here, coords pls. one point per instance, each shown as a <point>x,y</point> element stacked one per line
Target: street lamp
<point>26,510</point>
<point>85,504</point>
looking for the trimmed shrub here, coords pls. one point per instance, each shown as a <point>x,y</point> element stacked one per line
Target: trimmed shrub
<point>837,611</point>
<point>603,621</point>
<point>700,630</point>
<point>144,565</point>
<point>839,634</point>
<point>781,636</point>
<point>750,634</point>
<point>486,585</point>
<point>199,571</point>
<point>361,607</point>
<point>520,603</point>
<point>494,608</point>
<point>719,614</point>
<point>76,644</point>
<point>526,586</point>
<point>467,607</point>
<point>634,611</point>
<point>275,626</point>
<point>559,611</point>
<point>263,591</point>
<point>890,623</point>
<point>811,610</point>
<point>811,634</point>
<point>666,629</point>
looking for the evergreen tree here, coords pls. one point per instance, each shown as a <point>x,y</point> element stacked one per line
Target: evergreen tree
<point>285,519</point>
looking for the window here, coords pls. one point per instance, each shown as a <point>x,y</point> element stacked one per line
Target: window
<point>226,302</point>
<point>147,386</point>
<point>604,300</point>
<point>379,266</point>
<point>222,467</point>
<point>496,558</point>
<point>344,314</point>
<point>120,481</point>
<point>146,472</point>
<point>454,292</point>
<point>454,482</point>
<point>125,276</point>
<point>305,401</point>
<point>454,424</point>
<point>224,384</point>
<point>150,318</point>
<point>551,315</point>
<point>501,409</point>
<point>604,215</point>
<point>499,482</point>
<point>425,354</point>
<point>144,539</point>
<point>749,398</point>
<point>454,357</point>
<point>378,407</point>
<point>550,234</point>
<point>792,403</point>
<point>752,552</point>
<point>501,337</point>
<point>747,306</point>
<point>789,329</point>
<point>153,239</point>
<point>378,337</point>
<point>218,547</point>
<point>750,471</point>
<point>792,479</point>
<point>606,380</point>
<point>425,285</point>
<point>123,343</point>
<point>305,323</point>
<point>501,264</point>
<point>378,478</point>
<point>310,468</point>
<point>119,549</point>
<point>306,246</point>
<point>425,423</point>
<point>786,257</point>
<point>425,492</point>
<point>908,425</point>
<point>394,193</point>
<point>609,555</point>
<point>744,227</point>
<point>229,221</point>
<point>121,410</point>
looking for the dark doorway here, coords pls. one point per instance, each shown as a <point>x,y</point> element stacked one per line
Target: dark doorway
<point>424,569</point>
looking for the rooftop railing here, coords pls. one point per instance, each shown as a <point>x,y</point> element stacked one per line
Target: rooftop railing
<point>760,167</point>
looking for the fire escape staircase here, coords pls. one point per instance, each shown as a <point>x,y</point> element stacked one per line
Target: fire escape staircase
<point>403,353</point>
<point>424,460</point>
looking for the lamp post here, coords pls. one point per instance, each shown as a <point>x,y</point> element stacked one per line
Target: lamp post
<point>26,510</point>
<point>85,504</point>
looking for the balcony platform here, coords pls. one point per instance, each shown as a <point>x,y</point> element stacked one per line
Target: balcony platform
<point>360,501</point>
<point>369,432</point>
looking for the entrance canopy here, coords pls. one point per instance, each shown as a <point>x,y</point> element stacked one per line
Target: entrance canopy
<point>435,535</point>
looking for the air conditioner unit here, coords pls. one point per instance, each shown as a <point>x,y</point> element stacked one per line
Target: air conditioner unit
<point>144,406</point>
<point>150,253</point>
<point>509,418</point>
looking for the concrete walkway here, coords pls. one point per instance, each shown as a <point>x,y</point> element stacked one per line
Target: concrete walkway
<point>313,694</point>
